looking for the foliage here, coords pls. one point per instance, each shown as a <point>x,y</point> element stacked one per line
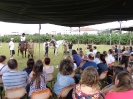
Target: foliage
<point>103,38</point>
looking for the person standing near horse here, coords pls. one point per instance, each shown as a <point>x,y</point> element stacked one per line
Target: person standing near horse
<point>30,49</point>
<point>53,41</point>
<point>70,46</point>
<point>46,49</point>
<point>11,47</point>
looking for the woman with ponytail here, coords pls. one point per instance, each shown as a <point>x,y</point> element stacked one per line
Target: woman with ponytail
<point>102,66</point>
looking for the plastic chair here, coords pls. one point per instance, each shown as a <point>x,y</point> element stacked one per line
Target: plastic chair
<point>15,93</point>
<point>42,94</point>
<point>50,78</point>
<point>65,91</point>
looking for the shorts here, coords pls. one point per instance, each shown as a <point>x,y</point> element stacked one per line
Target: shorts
<point>12,52</point>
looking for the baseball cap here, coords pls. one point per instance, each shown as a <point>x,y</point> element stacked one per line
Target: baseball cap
<point>12,38</point>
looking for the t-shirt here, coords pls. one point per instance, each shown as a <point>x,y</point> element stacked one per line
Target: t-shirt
<point>88,63</point>
<point>13,79</point>
<point>28,71</point>
<point>107,60</point>
<point>116,50</point>
<point>96,60</point>
<point>4,69</point>
<point>111,58</point>
<point>88,53</point>
<point>23,38</point>
<point>95,51</point>
<point>70,46</point>
<point>77,59</point>
<point>48,69</point>
<point>120,95</point>
<point>102,67</point>
<point>11,45</point>
<point>75,66</point>
<point>62,81</point>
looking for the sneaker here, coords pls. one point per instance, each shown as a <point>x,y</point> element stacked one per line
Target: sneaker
<point>11,58</point>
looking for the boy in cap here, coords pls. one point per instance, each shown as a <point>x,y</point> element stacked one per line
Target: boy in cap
<point>11,47</point>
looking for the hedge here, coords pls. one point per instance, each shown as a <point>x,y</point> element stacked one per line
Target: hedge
<point>85,38</point>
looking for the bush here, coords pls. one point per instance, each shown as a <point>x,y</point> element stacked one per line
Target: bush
<point>84,39</point>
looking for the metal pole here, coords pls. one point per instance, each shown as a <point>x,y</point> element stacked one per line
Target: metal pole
<point>78,38</point>
<point>119,43</point>
<point>110,37</point>
<point>39,40</point>
<point>130,38</point>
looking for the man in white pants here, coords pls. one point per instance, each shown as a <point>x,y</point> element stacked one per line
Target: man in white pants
<point>11,47</point>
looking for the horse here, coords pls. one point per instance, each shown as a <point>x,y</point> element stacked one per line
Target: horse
<point>23,48</point>
<point>57,45</point>
<point>30,48</point>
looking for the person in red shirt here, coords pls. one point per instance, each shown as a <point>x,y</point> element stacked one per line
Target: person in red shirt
<point>123,87</point>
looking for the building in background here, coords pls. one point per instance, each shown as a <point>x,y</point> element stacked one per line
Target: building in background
<point>85,30</point>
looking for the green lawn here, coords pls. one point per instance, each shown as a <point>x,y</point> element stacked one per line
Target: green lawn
<point>55,60</point>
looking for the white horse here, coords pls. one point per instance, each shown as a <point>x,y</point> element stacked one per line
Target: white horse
<point>57,45</point>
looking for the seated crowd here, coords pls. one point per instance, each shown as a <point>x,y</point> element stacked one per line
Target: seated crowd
<point>93,75</point>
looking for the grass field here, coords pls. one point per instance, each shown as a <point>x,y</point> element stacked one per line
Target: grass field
<point>55,60</point>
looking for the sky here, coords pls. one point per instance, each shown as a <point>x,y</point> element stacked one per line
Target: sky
<point>6,28</point>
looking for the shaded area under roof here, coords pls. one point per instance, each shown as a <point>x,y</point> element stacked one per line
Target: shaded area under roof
<point>124,29</point>
<point>65,12</point>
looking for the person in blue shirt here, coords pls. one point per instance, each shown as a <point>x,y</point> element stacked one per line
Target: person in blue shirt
<point>30,64</point>
<point>89,62</point>
<point>64,77</point>
<point>102,66</point>
<point>131,49</point>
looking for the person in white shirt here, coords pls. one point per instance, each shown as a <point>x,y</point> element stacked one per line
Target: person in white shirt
<point>95,50</point>
<point>22,39</point>
<point>97,58</point>
<point>3,67</point>
<point>90,52</point>
<point>11,47</point>
<point>111,57</point>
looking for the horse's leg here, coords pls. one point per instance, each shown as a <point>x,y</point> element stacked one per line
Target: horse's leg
<point>18,51</point>
<point>25,52</point>
<point>56,51</point>
<point>22,54</point>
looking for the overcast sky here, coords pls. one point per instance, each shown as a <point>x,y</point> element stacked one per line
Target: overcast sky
<point>33,28</point>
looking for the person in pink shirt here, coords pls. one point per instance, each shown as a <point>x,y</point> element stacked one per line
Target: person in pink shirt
<point>123,87</point>
<point>47,68</point>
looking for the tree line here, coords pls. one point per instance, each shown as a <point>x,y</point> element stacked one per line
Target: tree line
<point>84,38</point>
